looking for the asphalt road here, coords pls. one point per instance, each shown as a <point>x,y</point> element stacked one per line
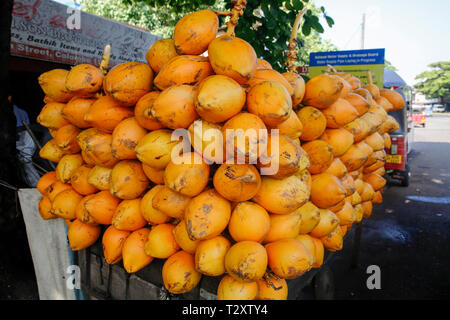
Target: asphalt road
<point>407,235</point>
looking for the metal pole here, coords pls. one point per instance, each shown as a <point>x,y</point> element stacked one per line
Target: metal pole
<point>363,30</point>
<point>356,245</point>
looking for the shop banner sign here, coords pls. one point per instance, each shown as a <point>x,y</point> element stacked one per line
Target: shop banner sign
<point>47,30</point>
<point>355,62</point>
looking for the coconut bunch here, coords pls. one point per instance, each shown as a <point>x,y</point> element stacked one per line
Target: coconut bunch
<point>122,176</point>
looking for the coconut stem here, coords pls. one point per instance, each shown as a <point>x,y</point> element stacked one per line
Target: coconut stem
<point>105,59</point>
<point>369,77</point>
<point>292,46</point>
<point>236,12</point>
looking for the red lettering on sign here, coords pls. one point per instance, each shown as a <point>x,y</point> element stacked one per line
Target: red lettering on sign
<point>27,11</point>
<point>58,21</point>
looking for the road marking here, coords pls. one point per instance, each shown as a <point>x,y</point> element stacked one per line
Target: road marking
<point>440,200</point>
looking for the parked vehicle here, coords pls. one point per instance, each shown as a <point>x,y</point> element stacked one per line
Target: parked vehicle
<point>402,139</point>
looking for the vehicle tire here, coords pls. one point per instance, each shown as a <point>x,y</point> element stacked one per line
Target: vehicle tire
<point>405,174</point>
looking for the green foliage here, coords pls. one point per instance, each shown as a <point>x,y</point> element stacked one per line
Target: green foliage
<point>266,24</point>
<point>159,20</point>
<point>436,82</point>
<point>389,65</point>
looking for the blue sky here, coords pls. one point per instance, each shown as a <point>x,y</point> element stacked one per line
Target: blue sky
<point>414,33</point>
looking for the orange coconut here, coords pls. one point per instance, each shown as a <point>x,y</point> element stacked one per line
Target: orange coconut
<point>100,177</point>
<point>112,242</point>
<point>288,258</point>
<point>377,197</point>
<point>337,168</point>
<point>328,222</point>
<point>128,180</point>
<point>367,208</point>
<point>195,31</point>
<point>75,110</point>
<point>314,123</point>
<point>159,53</point>
<point>79,180</point>
<point>154,175</point>
<point>50,116</point>
<point>184,69</point>
<point>106,113</point>
<point>237,182</point>
<point>340,113</point>
<point>67,166</point>
<point>354,158</point>
<point>170,202</point>
<point>375,141</point>
<point>327,190</point>
<point>45,208</point>
<point>249,221</point>
<point>339,139</point>
<point>53,83</point>
<point>272,288</point>
<point>246,261</point>
<point>174,107</point>
<point>262,64</point>
<point>310,217</point>
<point>179,274</point>
<point>283,157</point>
<point>376,181</point>
<point>155,148</point>
<point>161,242</point>
<point>320,155</point>
<point>233,57</point>
<point>358,102</point>
<point>218,98</point>
<point>82,235</point>
<point>207,215</point>
<point>367,193</point>
<point>245,137</point>
<point>96,147</point>
<point>55,188</point>
<point>66,138</point>
<point>82,214</point>
<point>270,101</point>
<point>305,176</point>
<point>231,289</point>
<point>394,98</point>
<point>349,184</point>
<point>51,151</point>
<point>266,75</point>
<point>210,256</point>
<point>322,91</point>
<point>45,181</point>
<point>291,127</point>
<point>125,137</point>
<point>282,196</point>
<point>128,216</point>
<point>384,103</point>
<point>128,82</point>
<point>143,111</point>
<point>84,80</point>
<point>334,240</point>
<point>181,236</point>
<point>346,215</point>
<point>387,140</point>
<point>149,213</point>
<point>133,254</point>
<point>102,206</point>
<point>298,86</point>
<point>359,128</point>
<point>283,226</point>
<point>187,174</point>
<point>206,138</point>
